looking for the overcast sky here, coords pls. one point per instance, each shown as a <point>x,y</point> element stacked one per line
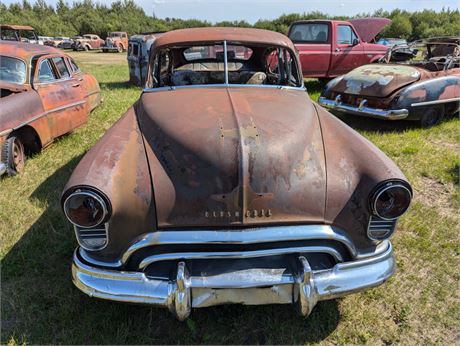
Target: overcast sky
<point>252,10</point>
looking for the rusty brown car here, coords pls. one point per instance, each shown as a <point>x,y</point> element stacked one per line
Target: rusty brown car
<point>416,82</point>
<point>88,42</point>
<point>116,42</point>
<point>43,96</point>
<point>224,183</point>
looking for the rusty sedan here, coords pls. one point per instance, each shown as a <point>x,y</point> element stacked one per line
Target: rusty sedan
<point>224,183</point>
<point>417,82</point>
<point>43,96</point>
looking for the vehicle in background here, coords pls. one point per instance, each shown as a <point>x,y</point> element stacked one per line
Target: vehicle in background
<point>45,38</point>
<point>70,43</point>
<point>138,56</point>
<point>43,96</point>
<point>329,48</point>
<point>21,33</point>
<point>88,42</point>
<point>423,86</point>
<point>116,41</point>
<point>224,183</point>
<point>386,41</point>
<point>54,42</point>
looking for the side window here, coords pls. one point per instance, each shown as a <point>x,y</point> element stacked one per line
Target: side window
<point>74,66</point>
<point>345,34</point>
<point>135,49</point>
<point>45,72</point>
<point>61,67</point>
<point>310,32</point>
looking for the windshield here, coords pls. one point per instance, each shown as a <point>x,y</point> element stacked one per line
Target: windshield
<point>224,64</point>
<point>12,70</point>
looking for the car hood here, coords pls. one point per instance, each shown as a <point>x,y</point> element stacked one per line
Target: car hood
<point>375,80</point>
<point>233,156</point>
<point>368,28</point>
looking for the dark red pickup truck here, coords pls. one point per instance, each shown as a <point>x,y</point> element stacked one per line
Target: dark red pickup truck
<point>329,48</point>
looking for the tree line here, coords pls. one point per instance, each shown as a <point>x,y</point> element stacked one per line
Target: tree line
<point>87,16</point>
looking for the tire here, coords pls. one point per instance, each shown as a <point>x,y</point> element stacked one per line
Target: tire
<point>86,48</point>
<point>120,48</point>
<point>431,116</point>
<point>13,156</point>
<point>104,51</point>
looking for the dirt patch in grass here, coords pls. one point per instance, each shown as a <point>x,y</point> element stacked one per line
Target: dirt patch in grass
<point>435,194</point>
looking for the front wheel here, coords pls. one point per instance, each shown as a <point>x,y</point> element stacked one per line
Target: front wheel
<point>120,48</point>
<point>14,156</point>
<point>430,116</point>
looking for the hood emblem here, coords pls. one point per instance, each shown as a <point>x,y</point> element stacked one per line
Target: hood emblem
<point>239,203</point>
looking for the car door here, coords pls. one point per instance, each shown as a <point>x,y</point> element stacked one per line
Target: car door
<point>61,95</point>
<point>89,84</point>
<point>348,51</point>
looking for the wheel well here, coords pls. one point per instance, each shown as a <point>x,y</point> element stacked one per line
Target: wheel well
<point>29,139</point>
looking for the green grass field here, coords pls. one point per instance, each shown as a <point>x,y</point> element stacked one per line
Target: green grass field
<point>419,305</point>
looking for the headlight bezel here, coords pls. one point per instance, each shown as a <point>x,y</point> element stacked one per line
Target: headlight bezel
<point>96,195</point>
<point>384,187</point>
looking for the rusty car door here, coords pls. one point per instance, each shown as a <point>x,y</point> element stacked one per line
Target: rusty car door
<point>89,84</point>
<point>62,96</point>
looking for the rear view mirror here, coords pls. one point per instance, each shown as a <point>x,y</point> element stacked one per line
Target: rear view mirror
<point>355,42</point>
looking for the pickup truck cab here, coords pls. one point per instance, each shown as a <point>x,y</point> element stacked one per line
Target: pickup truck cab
<point>329,48</point>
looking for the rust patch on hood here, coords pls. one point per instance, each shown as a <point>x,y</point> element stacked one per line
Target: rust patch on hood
<point>233,156</point>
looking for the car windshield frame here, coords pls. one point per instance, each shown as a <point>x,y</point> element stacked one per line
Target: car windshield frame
<point>299,79</point>
<point>24,81</point>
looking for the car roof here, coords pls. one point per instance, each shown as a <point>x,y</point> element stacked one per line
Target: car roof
<point>219,34</point>
<point>16,27</point>
<point>24,50</point>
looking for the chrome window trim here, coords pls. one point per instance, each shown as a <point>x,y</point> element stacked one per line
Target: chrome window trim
<point>172,88</point>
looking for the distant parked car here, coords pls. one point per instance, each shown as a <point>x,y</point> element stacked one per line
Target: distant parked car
<point>116,42</point>
<point>45,38</point>
<point>224,183</point>
<point>54,42</point>
<point>392,41</point>
<point>425,87</point>
<point>329,48</point>
<point>43,96</point>
<point>88,42</point>
<point>138,56</point>
<point>21,33</point>
<point>70,43</point>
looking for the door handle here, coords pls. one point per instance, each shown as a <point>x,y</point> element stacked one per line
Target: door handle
<point>337,49</point>
<point>75,85</point>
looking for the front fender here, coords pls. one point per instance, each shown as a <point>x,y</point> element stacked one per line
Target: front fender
<point>117,167</point>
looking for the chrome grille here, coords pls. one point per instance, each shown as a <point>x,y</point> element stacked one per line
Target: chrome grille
<point>380,229</point>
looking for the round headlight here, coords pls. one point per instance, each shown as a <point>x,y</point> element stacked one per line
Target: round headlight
<point>85,209</point>
<point>391,200</point>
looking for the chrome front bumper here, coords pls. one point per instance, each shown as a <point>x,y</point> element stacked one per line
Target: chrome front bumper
<point>363,110</point>
<point>256,286</point>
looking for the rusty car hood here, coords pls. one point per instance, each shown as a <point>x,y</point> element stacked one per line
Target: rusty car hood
<point>376,80</point>
<point>233,156</point>
<point>368,28</point>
